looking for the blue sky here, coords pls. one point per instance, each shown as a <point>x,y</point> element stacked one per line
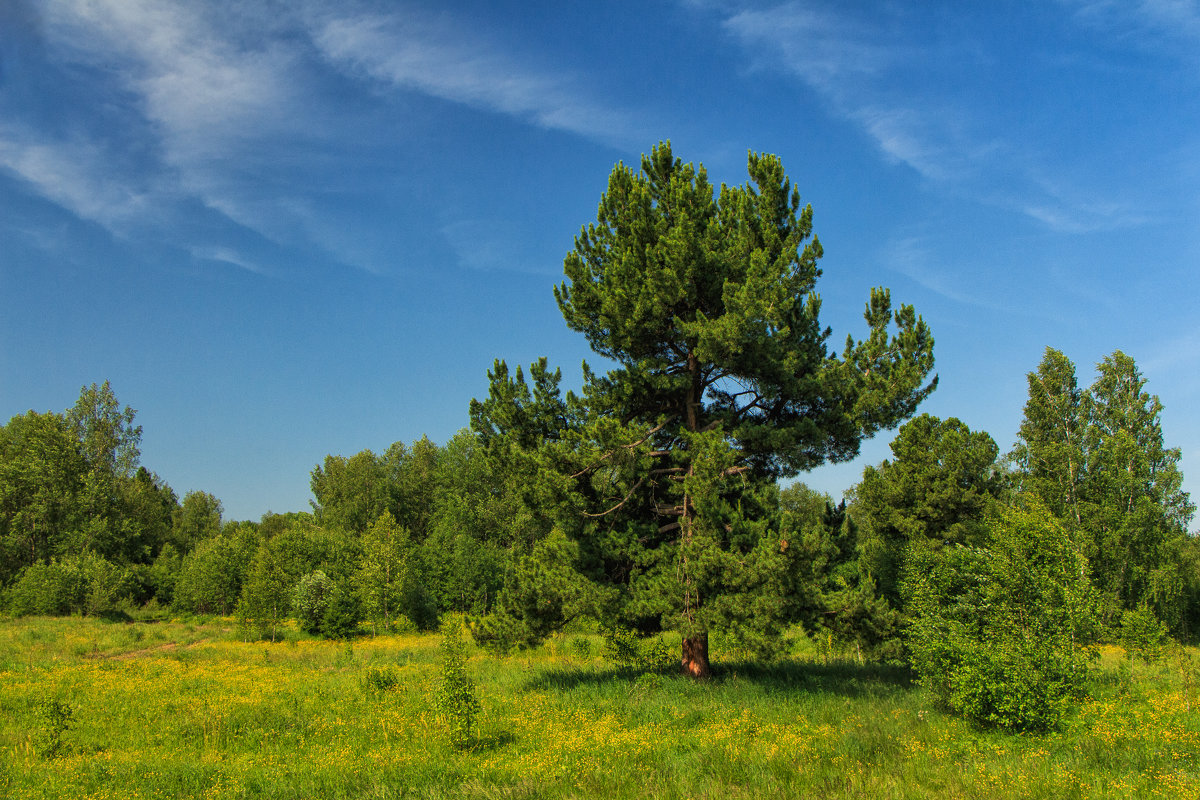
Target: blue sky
<point>289,229</point>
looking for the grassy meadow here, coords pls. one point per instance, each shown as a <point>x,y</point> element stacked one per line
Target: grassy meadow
<point>90,709</point>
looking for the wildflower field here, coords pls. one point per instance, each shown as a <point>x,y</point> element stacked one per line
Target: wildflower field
<point>90,709</point>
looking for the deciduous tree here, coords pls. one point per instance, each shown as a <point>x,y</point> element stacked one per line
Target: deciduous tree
<point>935,490</point>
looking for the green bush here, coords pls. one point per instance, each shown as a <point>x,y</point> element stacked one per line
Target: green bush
<point>628,652</point>
<point>1143,634</point>
<point>211,577</point>
<point>498,633</point>
<point>380,679</point>
<point>456,701</point>
<point>84,583</point>
<point>998,632</point>
<point>581,647</point>
<point>310,600</point>
<point>343,612</point>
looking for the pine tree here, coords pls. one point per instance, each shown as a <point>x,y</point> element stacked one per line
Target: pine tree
<point>723,383</point>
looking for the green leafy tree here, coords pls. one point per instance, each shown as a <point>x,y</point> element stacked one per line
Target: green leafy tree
<point>310,600</point>
<point>390,577</point>
<point>935,491</point>
<point>351,493</point>
<point>1050,451</point>
<point>266,596</point>
<point>211,576</point>
<point>997,630</point>
<point>724,381</point>
<point>1134,484</point>
<point>148,506</point>
<point>1097,459</point>
<point>839,601</point>
<point>110,440</point>
<point>415,473</point>
<point>543,591</point>
<point>301,547</point>
<point>80,583</point>
<point>70,484</point>
<point>42,476</point>
<point>476,517</point>
<point>196,519</point>
<point>164,573</point>
<point>457,701</point>
<point>343,612</point>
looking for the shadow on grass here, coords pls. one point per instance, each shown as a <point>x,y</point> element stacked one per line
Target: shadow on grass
<point>493,741</point>
<point>846,679</point>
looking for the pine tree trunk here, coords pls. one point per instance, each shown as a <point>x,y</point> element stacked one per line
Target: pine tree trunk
<point>695,656</point>
<point>695,647</point>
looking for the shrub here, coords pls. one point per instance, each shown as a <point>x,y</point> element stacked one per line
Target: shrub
<point>1143,634</point>
<point>580,647</point>
<point>83,583</point>
<point>310,600</point>
<point>343,612</point>
<point>624,649</point>
<point>380,679</point>
<point>498,633</point>
<point>211,577</point>
<point>456,701</point>
<point>54,718</point>
<point>997,632</point>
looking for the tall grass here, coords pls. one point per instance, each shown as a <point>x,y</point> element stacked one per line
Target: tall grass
<point>188,710</point>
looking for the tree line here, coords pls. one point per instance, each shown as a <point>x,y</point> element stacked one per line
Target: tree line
<point>651,500</point>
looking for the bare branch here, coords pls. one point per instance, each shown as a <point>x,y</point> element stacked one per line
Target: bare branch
<point>618,505</point>
<point>629,446</point>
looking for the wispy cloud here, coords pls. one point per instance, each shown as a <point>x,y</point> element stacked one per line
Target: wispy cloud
<point>912,258</point>
<point>1175,19</point>
<point>841,59</point>
<point>441,60</point>
<point>204,95</point>
<point>227,255</point>
<point>69,173</point>
<point>493,244</point>
<point>223,104</point>
<point>874,73</point>
<point>1179,355</point>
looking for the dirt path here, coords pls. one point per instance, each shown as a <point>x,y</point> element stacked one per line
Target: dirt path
<point>146,651</point>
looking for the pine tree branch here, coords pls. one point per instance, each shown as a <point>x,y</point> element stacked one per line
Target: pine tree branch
<point>618,505</point>
<point>629,446</point>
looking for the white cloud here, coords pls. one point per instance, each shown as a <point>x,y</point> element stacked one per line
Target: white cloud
<point>911,258</point>
<point>873,72</point>
<point>443,61</point>
<point>497,244</point>
<point>228,255</point>
<point>203,87</point>
<point>847,63</point>
<point>221,103</point>
<point>70,174</point>
<point>1179,355</point>
<point>1147,19</point>
<point>203,94</point>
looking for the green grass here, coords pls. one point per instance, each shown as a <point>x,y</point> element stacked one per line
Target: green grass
<point>170,709</point>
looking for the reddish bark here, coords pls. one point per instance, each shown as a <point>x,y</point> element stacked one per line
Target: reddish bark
<point>695,656</point>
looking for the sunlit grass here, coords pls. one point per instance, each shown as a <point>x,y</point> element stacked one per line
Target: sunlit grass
<point>175,709</point>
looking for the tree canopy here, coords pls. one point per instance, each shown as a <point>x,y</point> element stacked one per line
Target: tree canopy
<point>724,380</point>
